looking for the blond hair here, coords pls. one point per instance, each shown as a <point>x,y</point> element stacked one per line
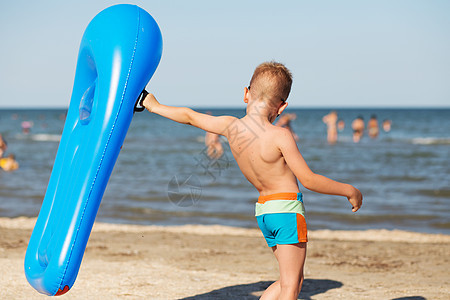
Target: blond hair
<point>271,82</point>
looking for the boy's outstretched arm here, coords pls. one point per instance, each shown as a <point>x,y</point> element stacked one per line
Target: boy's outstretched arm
<point>188,116</point>
<point>311,180</point>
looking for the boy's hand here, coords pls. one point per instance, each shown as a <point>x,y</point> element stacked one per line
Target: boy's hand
<point>355,200</point>
<point>150,102</point>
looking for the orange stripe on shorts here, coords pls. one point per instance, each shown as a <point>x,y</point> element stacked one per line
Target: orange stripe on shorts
<point>302,230</point>
<point>278,196</point>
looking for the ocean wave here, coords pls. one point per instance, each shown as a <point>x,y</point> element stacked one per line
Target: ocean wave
<point>402,178</point>
<point>438,193</point>
<point>414,154</point>
<point>430,141</point>
<point>442,225</point>
<point>373,218</point>
<point>148,214</point>
<point>40,137</point>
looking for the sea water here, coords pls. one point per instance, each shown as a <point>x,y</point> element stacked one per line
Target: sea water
<point>164,177</point>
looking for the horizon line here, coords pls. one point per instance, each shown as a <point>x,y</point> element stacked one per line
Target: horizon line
<point>243,107</point>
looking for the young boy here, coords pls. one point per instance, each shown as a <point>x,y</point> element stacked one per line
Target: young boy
<point>269,158</point>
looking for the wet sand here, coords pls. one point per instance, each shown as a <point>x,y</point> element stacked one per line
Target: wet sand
<point>218,262</point>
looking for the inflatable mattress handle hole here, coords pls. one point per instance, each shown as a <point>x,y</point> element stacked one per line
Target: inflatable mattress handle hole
<point>139,106</point>
<point>86,103</point>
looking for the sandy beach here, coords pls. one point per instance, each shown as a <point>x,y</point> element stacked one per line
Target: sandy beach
<point>218,262</point>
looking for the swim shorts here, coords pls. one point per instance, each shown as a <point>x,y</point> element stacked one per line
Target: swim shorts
<point>281,218</point>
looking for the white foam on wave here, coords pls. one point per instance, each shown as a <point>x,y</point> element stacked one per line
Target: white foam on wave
<point>431,141</point>
<point>46,137</point>
<point>40,137</point>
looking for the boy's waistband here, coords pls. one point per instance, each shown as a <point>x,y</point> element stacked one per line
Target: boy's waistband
<point>281,196</point>
<point>280,203</point>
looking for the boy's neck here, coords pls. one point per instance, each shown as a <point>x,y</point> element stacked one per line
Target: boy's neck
<point>261,111</point>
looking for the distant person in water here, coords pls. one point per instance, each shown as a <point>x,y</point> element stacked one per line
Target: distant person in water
<point>358,129</point>
<point>330,120</point>
<point>214,148</point>
<point>3,146</point>
<point>26,126</point>
<point>9,163</point>
<point>340,125</point>
<point>285,122</point>
<point>387,125</point>
<point>373,127</point>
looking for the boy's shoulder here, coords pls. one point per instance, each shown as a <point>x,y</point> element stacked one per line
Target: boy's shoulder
<point>279,130</point>
<point>281,137</point>
<point>277,133</point>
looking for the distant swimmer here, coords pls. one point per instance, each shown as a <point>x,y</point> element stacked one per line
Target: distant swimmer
<point>3,146</point>
<point>340,125</point>
<point>387,125</point>
<point>214,148</point>
<point>285,122</point>
<point>26,126</point>
<point>9,163</point>
<point>372,127</point>
<point>358,129</point>
<point>330,120</point>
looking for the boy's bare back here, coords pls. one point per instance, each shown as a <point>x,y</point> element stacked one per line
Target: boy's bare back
<point>255,144</point>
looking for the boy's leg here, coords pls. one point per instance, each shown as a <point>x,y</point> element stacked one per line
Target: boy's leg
<point>273,291</point>
<point>291,259</point>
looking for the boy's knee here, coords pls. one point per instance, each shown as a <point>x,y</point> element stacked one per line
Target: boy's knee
<point>291,287</point>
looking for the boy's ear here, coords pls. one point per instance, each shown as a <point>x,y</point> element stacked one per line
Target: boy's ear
<point>246,94</point>
<point>282,107</point>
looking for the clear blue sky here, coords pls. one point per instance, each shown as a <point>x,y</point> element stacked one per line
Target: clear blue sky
<point>342,53</point>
